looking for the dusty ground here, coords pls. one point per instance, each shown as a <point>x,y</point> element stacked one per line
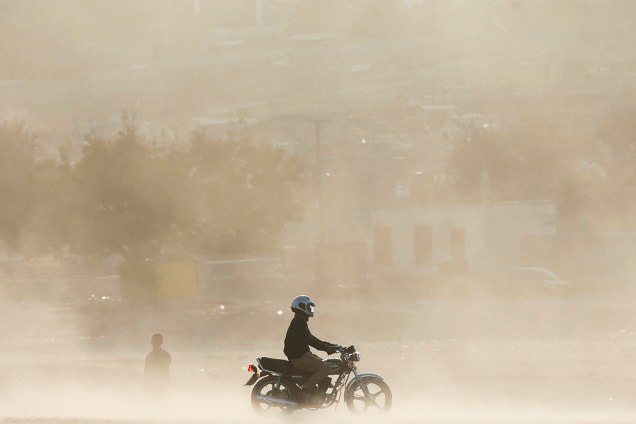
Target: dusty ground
<point>448,359</point>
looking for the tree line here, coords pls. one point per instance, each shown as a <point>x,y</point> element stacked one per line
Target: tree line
<point>130,196</point>
<point>588,172</point>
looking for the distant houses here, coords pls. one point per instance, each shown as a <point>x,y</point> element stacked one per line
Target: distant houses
<point>437,239</point>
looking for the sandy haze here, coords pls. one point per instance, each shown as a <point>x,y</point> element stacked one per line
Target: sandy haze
<point>446,360</point>
<point>294,74</point>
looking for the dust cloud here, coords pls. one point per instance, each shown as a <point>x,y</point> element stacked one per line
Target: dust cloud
<point>445,360</point>
<point>407,155</point>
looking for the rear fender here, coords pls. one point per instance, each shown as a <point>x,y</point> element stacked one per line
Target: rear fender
<point>255,377</point>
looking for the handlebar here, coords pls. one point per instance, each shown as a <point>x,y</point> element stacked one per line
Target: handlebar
<point>343,349</point>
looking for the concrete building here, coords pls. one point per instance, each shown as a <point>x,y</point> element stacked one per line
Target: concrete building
<point>427,241</point>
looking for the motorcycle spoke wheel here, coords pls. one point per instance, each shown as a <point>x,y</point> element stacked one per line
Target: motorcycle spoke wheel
<point>267,388</point>
<point>379,399</point>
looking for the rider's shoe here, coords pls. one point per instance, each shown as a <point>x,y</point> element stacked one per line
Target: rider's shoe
<point>325,384</point>
<point>310,397</point>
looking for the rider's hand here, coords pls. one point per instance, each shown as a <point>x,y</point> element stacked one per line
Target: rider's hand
<point>331,349</point>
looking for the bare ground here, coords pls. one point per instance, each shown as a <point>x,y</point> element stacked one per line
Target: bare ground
<point>447,360</point>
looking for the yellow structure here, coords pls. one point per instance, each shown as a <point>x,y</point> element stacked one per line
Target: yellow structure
<point>177,280</point>
<point>155,280</point>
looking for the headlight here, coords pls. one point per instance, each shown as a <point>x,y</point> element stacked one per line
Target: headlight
<point>355,356</point>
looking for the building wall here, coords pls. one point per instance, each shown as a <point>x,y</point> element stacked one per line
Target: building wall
<point>464,238</point>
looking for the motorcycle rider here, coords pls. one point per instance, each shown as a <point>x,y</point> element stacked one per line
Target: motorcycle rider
<point>297,342</point>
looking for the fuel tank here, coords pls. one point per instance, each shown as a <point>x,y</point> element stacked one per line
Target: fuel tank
<point>336,366</point>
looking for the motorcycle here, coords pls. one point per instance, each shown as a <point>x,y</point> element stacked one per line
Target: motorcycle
<point>277,384</point>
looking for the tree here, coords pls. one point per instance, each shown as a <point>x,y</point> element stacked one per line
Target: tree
<point>33,193</point>
<point>239,195</point>
<point>121,202</point>
<point>476,152</point>
<point>530,159</point>
<point>618,147</point>
<point>210,197</point>
<point>533,159</point>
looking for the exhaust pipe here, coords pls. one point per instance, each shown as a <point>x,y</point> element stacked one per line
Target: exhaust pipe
<point>272,399</point>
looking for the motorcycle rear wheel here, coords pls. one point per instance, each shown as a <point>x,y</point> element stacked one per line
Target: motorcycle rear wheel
<point>380,396</point>
<point>267,387</point>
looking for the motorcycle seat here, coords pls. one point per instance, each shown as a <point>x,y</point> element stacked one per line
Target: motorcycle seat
<point>280,366</point>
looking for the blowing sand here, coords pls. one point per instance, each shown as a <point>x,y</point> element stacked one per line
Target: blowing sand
<point>452,360</point>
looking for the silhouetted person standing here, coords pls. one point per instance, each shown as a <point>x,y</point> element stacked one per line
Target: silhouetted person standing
<point>157,370</point>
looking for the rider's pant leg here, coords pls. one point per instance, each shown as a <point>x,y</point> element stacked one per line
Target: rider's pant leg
<point>314,365</point>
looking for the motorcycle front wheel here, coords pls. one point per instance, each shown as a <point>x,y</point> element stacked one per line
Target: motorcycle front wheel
<point>379,397</point>
<point>269,399</point>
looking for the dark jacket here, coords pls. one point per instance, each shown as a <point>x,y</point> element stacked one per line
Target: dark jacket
<point>298,339</point>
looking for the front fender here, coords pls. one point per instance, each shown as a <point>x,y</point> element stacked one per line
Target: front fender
<point>369,376</point>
